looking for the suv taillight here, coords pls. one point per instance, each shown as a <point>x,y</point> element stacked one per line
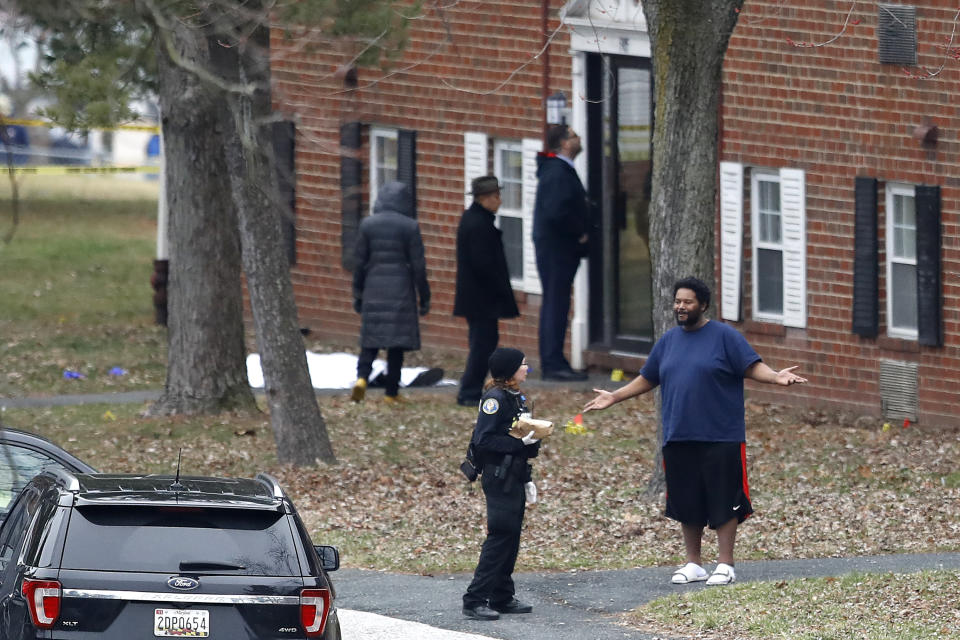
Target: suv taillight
<point>314,608</point>
<point>43,600</point>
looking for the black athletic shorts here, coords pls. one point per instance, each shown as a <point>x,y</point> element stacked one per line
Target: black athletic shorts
<point>706,482</point>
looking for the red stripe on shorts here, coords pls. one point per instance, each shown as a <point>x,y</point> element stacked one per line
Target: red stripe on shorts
<point>743,463</point>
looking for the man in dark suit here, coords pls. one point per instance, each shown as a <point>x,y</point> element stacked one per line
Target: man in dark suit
<point>560,223</point>
<point>483,294</point>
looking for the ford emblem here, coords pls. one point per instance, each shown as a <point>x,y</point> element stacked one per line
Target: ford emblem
<point>183,584</point>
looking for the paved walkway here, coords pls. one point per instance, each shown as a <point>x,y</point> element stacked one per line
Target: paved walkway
<point>149,395</point>
<point>579,605</point>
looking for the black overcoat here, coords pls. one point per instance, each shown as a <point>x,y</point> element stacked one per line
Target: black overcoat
<point>483,280</point>
<point>561,215</point>
<point>390,271</point>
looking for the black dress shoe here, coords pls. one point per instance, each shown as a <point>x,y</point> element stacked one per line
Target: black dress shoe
<point>468,402</point>
<point>481,612</point>
<point>514,606</point>
<point>565,376</point>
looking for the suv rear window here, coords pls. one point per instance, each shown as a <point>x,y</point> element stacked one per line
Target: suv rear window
<point>175,539</point>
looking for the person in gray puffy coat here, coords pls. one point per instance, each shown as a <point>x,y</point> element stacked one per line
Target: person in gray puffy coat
<point>390,273</point>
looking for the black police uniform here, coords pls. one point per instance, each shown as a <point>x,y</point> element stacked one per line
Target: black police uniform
<point>503,459</point>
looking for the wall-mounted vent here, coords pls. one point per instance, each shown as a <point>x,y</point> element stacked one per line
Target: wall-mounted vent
<point>897,34</point>
<point>898,389</point>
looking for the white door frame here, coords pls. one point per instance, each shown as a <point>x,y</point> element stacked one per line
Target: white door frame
<point>622,38</point>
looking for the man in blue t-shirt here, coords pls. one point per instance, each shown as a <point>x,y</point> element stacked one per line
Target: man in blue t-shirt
<point>700,367</point>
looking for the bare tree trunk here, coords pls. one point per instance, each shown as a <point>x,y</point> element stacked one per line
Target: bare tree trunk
<point>688,41</point>
<point>298,426</point>
<point>206,366</point>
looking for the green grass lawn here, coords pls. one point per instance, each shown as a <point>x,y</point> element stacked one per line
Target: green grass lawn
<point>75,292</point>
<point>920,606</point>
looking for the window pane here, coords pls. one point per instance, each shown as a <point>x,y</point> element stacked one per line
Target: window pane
<point>904,243</point>
<point>385,175</point>
<point>769,196</point>
<point>904,227</point>
<point>17,466</point>
<point>770,228</point>
<point>511,179</point>
<point>511,196</point>
<point>512,229</point>
<point>903,211</point>
<point>769,210</point>
<point>387,153</point>
<point>904,296</point>
<point>510,165</point>
<point>770,281</point>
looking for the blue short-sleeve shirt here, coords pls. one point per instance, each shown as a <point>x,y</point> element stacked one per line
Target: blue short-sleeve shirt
<point>700,374</point>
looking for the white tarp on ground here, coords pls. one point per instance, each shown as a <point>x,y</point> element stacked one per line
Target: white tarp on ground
<point>360,625</point>
<point>336,371</point>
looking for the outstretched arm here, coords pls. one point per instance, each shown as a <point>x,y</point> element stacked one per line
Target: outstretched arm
<point>604,399</point>
<point>762,373</point>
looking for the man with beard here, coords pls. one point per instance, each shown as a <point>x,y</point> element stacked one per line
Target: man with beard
<point>700,366</point>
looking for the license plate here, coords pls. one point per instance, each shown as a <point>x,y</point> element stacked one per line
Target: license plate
<point>181,623</point>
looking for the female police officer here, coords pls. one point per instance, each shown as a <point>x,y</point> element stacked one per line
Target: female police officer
<point>506,486</point>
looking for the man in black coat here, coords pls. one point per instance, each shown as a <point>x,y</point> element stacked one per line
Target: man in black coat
<point>561,220</point>
<point>390,272</point>
<point>483,294</point>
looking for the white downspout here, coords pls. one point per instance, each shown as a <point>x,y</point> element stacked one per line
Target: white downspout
<point>162,242</point>
<point>581,284</point>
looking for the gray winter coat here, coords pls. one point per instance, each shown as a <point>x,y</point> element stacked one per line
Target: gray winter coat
<point>390,270</point>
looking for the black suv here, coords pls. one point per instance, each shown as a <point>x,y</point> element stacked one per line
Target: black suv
<point>24,455</point>
<point>127,557</point>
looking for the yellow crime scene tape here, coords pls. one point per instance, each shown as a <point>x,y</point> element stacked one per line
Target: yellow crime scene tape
<point>44,123</point>
<point>62,171</point>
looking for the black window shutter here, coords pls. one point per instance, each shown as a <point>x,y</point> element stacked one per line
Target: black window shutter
<point>284,153</point>
<point>351,178</point>
<point>929,297</point>
<point>407,162</point>
<point>866,305</point>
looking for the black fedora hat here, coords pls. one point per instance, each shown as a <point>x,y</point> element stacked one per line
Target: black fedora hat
<point>483,185</point>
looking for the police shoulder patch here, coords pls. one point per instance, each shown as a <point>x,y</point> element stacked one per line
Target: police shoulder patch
<point>490,406</point>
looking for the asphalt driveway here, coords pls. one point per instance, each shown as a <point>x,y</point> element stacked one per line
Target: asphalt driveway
<point>568,606</point>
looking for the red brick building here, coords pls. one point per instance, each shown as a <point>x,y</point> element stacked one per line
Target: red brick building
<point>837,238</point>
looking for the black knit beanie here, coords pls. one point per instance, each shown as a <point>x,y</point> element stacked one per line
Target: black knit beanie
<point>504,362</point>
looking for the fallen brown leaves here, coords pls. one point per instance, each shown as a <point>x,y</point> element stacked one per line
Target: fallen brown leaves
<point>822,484</point>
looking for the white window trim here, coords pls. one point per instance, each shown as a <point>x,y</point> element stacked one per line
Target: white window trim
<point>894,189</point>
<point>731,244</point>
<point>793,244</point>
<point>531,279</point>
<point>504,212</point>
<point>475,161</point>
<point>756,176</point>
<point>375,134</point>
<point>793,209</point>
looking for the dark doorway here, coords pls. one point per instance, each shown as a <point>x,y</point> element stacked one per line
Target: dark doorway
<point>620,139</point>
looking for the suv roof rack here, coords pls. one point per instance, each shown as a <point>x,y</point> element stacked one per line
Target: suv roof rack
<point>271,484</point>
<point>64,477</point>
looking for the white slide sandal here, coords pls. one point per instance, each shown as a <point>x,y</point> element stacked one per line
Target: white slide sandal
<point>723,574</point>
<point>690,572</point>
